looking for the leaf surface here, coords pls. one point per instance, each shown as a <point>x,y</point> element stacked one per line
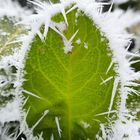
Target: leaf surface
<point>69,85</point>
<point>9,32</point>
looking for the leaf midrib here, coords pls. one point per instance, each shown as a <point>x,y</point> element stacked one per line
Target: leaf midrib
<point>68,96</point>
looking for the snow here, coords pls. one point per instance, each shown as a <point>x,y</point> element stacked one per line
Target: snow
<point>30,93</point>
<point>106,80</point>
<point>52,137</point>
<point>108,69</point>
<point>86,45</point>
<point>78,41</point>
<point>68,43</point>
<point>58,126</point>
<point>10,112</point>
<point>120,1</point>
<point>105,113</point>
<point>114,91</point>
<point>85,124</point>
<point>10,8</point>
<point>40,119</point>
<point>61,26</point>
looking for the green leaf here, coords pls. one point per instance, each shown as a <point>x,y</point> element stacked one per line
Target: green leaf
<point>9,33</point>
<point>69,85</point>
<point>133,100</point>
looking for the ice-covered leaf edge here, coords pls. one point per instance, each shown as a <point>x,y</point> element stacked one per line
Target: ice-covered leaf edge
<point>12,9</point>
<point>124,42</point>
<point>11,112</point>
